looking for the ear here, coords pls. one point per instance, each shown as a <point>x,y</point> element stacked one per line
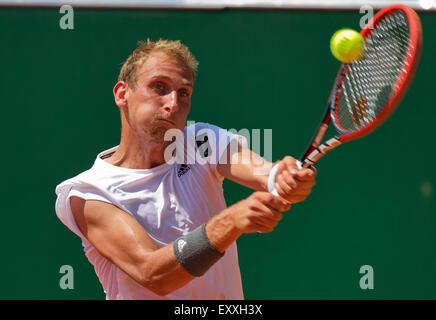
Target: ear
<point>121,94</point>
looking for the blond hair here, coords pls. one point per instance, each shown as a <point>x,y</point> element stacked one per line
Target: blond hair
<point>175,49</point>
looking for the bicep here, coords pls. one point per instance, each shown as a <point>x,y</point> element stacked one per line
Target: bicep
<point>114,233</point>
<point>245,167</point>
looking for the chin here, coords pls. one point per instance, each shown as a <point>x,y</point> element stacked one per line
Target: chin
<point>157,134</point>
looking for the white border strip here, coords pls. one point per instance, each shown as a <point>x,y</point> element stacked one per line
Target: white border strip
<point>221,4</point>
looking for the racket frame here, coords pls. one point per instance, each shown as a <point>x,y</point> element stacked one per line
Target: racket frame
<point>315,151</point>
<point>404,79</point>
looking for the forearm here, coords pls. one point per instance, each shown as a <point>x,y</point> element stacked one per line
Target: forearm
<point>162,273</point>
<point>222,231</point>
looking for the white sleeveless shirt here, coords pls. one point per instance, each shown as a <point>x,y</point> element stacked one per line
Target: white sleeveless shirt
<point>168,201</point>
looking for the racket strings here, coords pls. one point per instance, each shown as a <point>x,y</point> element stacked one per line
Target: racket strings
<point>369,81</point>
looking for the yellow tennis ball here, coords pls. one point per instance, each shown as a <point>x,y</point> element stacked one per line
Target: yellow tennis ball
<point>347,45</point>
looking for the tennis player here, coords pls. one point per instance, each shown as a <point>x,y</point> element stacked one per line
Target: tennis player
<point>159,230</point>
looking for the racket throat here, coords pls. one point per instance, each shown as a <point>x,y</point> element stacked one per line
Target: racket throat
<point>320,151</point>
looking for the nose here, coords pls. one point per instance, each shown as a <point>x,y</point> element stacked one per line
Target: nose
<point>172,102</point>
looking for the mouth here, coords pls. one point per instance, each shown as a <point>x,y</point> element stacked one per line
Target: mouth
<point>167,121</point>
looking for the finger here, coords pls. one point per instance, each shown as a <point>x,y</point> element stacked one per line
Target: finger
<point>288,180</point>
<point>273,201</point>
<point>261,228</point>
<point>270,213</point>
<point>265,221</point>
<point>286,187</point>
<point>282,194</point>
<point>305,174</point>
<point>290,164</point>
<point>304,185</point>
<point>302,192</point>
<point>264,225</point>
<point>298,198</point>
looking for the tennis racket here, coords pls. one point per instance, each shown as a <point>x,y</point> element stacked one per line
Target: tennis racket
<point>367,91</point>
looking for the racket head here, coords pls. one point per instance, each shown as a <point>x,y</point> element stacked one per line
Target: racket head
<point>369,90</point>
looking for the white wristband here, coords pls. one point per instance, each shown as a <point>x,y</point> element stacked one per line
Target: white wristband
<point>272,178</point>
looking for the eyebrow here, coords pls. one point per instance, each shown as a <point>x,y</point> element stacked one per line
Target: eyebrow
<point>189,84</point>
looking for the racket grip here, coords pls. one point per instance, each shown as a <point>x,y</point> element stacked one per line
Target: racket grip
<point>272,177</point>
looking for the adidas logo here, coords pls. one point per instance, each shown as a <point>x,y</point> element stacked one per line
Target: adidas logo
<point>181,244</point>
<point>182,170</point>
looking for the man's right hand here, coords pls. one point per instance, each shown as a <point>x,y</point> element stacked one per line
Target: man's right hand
<point>260,212</point>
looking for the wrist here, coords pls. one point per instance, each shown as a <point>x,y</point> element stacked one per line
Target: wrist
<point>195,253</point>
<point>222,231</point>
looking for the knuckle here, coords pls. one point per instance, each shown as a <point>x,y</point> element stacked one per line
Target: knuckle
<point>247,222</point>
<point>254,195</point>
<point>286,190</point>
<point>289,180</point>
<point>245,203</point>
<point>268,197</point>
<point>277,216</point>
<point>254,198</point>
<point>252,206</point>
<point>259,195</point>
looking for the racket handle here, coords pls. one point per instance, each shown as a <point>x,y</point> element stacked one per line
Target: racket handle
<point>272,177</point>
<point>320,152</point>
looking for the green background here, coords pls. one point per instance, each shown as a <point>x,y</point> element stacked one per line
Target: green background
<point>374,201</point>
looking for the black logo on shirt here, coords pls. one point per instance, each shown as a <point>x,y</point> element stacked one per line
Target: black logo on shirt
<point>183,168</point>
<point>203,146</point>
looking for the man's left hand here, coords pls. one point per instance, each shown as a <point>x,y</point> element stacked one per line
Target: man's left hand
<point>292,184</point>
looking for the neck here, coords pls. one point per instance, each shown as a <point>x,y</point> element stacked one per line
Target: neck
<point>136,153</point>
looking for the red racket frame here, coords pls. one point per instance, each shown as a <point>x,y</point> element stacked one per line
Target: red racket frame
<point>400,87</point>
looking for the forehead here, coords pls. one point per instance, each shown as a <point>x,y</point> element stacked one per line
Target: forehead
<point>159,64</point>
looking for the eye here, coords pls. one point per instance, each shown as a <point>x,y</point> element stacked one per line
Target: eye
<point>184,93</point>
<point>159,86</point>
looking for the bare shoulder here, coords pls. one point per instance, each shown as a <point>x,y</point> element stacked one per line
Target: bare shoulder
<point>109,228</point>
<point>88,213</point>
<point>115,234</point>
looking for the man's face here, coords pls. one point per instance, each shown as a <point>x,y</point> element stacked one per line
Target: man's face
<point>162,97</point>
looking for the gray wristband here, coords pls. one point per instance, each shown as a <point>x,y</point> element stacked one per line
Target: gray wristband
<point>195,253</point>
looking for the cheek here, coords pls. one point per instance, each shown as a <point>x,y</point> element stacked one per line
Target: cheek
<point>143,97</point>
<point>139,116</point>
<point>186,109</point>
<point>183,115</point>
<point>144,107</point>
